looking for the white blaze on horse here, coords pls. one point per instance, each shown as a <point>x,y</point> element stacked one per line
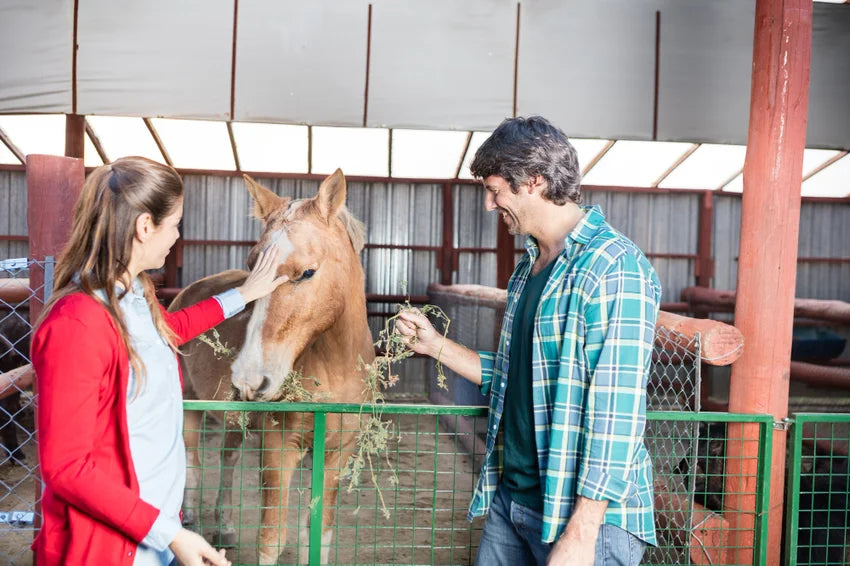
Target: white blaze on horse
<point>316,324</point>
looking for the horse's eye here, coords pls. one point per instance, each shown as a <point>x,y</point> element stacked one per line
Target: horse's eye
<point>308,273</point>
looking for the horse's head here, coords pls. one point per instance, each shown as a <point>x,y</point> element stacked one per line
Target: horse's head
<point>321,243</point>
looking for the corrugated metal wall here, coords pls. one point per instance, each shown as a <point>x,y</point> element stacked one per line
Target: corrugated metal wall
<point>13,212</point>
<point>824,232</point>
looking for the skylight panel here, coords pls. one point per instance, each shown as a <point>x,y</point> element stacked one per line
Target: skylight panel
<point>36,133</point>
<point>196,144</point>
<point>122,136</point>
<point>587,150</point>
<point>7,157</point>
<point>814,158</point>
<point>426,154</point>
<point>709,166</point>
<point>635,163</point>
<point>271,147</point>
<point>91,156</point>
<point>357,151</point>
<point>736,185</point>
<point>833,181</point>
<point>475,142</point>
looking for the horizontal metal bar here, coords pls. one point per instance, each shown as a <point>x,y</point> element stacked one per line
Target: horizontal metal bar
<point>800,418</point>
<point>418,409</point>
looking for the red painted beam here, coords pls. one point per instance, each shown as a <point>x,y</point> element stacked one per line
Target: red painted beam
<point>53,185</point>
<point>767,264</point>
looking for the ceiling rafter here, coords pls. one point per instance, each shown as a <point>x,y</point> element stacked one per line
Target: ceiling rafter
<point>12,147</point>
<point>95,141</point>
<point>688,152</point>
<point>825,164</point>
<point>158,142</point>
<point>597,157</point>
<point>233,145</point>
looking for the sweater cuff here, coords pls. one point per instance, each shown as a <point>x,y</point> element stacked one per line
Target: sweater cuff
<point>231,302</point>
<point>162,532</point>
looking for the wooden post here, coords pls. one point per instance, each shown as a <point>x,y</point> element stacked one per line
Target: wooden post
<point>767,264</point>
<point>704,265</point>
<point>75,135</point>
<point>53,185</point>
<point>504,256</point>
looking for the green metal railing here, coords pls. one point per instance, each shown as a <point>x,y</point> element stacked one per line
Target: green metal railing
<point>817,505</point>
<point>427,479</point>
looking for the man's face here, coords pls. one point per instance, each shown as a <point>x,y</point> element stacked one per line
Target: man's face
<point>512,207</point>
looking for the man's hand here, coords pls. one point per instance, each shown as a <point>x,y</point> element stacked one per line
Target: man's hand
<point>577,546</point>
<point>419,334</point>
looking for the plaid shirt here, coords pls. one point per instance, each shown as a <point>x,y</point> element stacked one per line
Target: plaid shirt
<point>592,347</point>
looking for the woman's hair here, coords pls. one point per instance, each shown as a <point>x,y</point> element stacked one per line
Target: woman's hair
<point>97,255</point>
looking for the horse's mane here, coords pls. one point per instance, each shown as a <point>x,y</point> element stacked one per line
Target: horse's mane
<point>355,229</point>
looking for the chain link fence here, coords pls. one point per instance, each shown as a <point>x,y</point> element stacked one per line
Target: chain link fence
<point>19,478</point>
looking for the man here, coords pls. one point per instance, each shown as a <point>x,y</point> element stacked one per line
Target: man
<point>566,478</point>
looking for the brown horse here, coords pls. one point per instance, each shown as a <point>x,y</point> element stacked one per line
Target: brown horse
<point>315,323</point>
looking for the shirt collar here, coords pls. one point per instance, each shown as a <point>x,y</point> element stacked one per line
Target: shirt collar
<point>591,222</point>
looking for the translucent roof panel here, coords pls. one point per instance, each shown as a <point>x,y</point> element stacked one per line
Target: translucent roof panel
<point>92,157</point>
<point>833,181</point>
<point>196,144</point>
<point>635,163</point>
<point>736,185</point>
<point>708,167</point>
<point>7,157</point>
<point>587,150</point>
<point>427,154</point>
<point>814,158</point>
<point>121,137</point>
<point>271,147</point>
<point>477,139</point>
<point>357,151</point>
<point>37,133</point>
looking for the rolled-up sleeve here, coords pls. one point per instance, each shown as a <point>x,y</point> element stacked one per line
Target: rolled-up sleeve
<point>620,320</point>
<point>231,301</point>
<point>488,363</point>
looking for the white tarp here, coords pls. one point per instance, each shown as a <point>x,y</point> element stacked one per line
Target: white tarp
<point>589,65</point>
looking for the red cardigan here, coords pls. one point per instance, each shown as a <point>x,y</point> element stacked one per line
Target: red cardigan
<point>91,510</point>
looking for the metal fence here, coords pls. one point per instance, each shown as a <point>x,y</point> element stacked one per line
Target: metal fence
<point>425,479</point>
<point>19,479</point>
<point>818,491</point>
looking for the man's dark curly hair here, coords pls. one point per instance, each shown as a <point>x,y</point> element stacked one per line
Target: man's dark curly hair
<point>521,148</point>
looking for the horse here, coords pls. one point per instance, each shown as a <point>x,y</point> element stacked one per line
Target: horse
<point>315,323</point>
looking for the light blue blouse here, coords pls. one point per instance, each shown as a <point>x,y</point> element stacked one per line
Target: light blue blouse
<point>155,422</point>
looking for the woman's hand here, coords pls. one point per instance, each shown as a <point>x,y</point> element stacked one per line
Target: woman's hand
<point>419,334</point>
<point>262,280</point>
<point>191,549</point>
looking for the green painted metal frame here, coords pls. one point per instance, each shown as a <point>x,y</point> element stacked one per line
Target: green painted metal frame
<point>320,411</point>
<point>792,500</point>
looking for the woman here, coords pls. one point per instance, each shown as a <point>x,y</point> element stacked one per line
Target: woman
<point>110,410</point>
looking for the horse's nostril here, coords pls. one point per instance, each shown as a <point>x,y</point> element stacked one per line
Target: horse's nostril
<point>264,385</point>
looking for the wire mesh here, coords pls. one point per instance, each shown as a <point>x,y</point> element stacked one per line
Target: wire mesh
<point>424,481</point>
<point>818,491</point>
<point>19,512</point>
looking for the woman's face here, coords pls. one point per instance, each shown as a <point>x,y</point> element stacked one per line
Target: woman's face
<point>155,247</point>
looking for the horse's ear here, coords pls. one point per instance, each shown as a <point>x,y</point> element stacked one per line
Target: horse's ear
<point>331,197</point>
<point>265,201</point>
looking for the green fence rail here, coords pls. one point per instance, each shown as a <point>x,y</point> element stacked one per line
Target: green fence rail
<point>426,479</point>
<point>817,505</point>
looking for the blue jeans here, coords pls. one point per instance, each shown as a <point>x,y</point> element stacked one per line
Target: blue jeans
<point>512,533</point>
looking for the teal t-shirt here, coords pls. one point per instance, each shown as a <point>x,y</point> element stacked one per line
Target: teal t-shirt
<point>520,470</point>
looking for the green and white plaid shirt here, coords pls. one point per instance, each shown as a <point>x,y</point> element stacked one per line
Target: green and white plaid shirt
<point>592,346</point>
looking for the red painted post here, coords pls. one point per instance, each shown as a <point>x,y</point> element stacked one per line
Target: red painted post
<point>504,256</point>
<point>53,185</point>
<point>447,253</point>
<point>75,135</point>
<point>767,264</point>
<point>704,265</point>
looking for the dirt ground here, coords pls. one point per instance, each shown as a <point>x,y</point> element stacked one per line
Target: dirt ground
<point>17,494</point>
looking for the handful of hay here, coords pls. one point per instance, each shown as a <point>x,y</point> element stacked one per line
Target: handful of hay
<point>375,432</point>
